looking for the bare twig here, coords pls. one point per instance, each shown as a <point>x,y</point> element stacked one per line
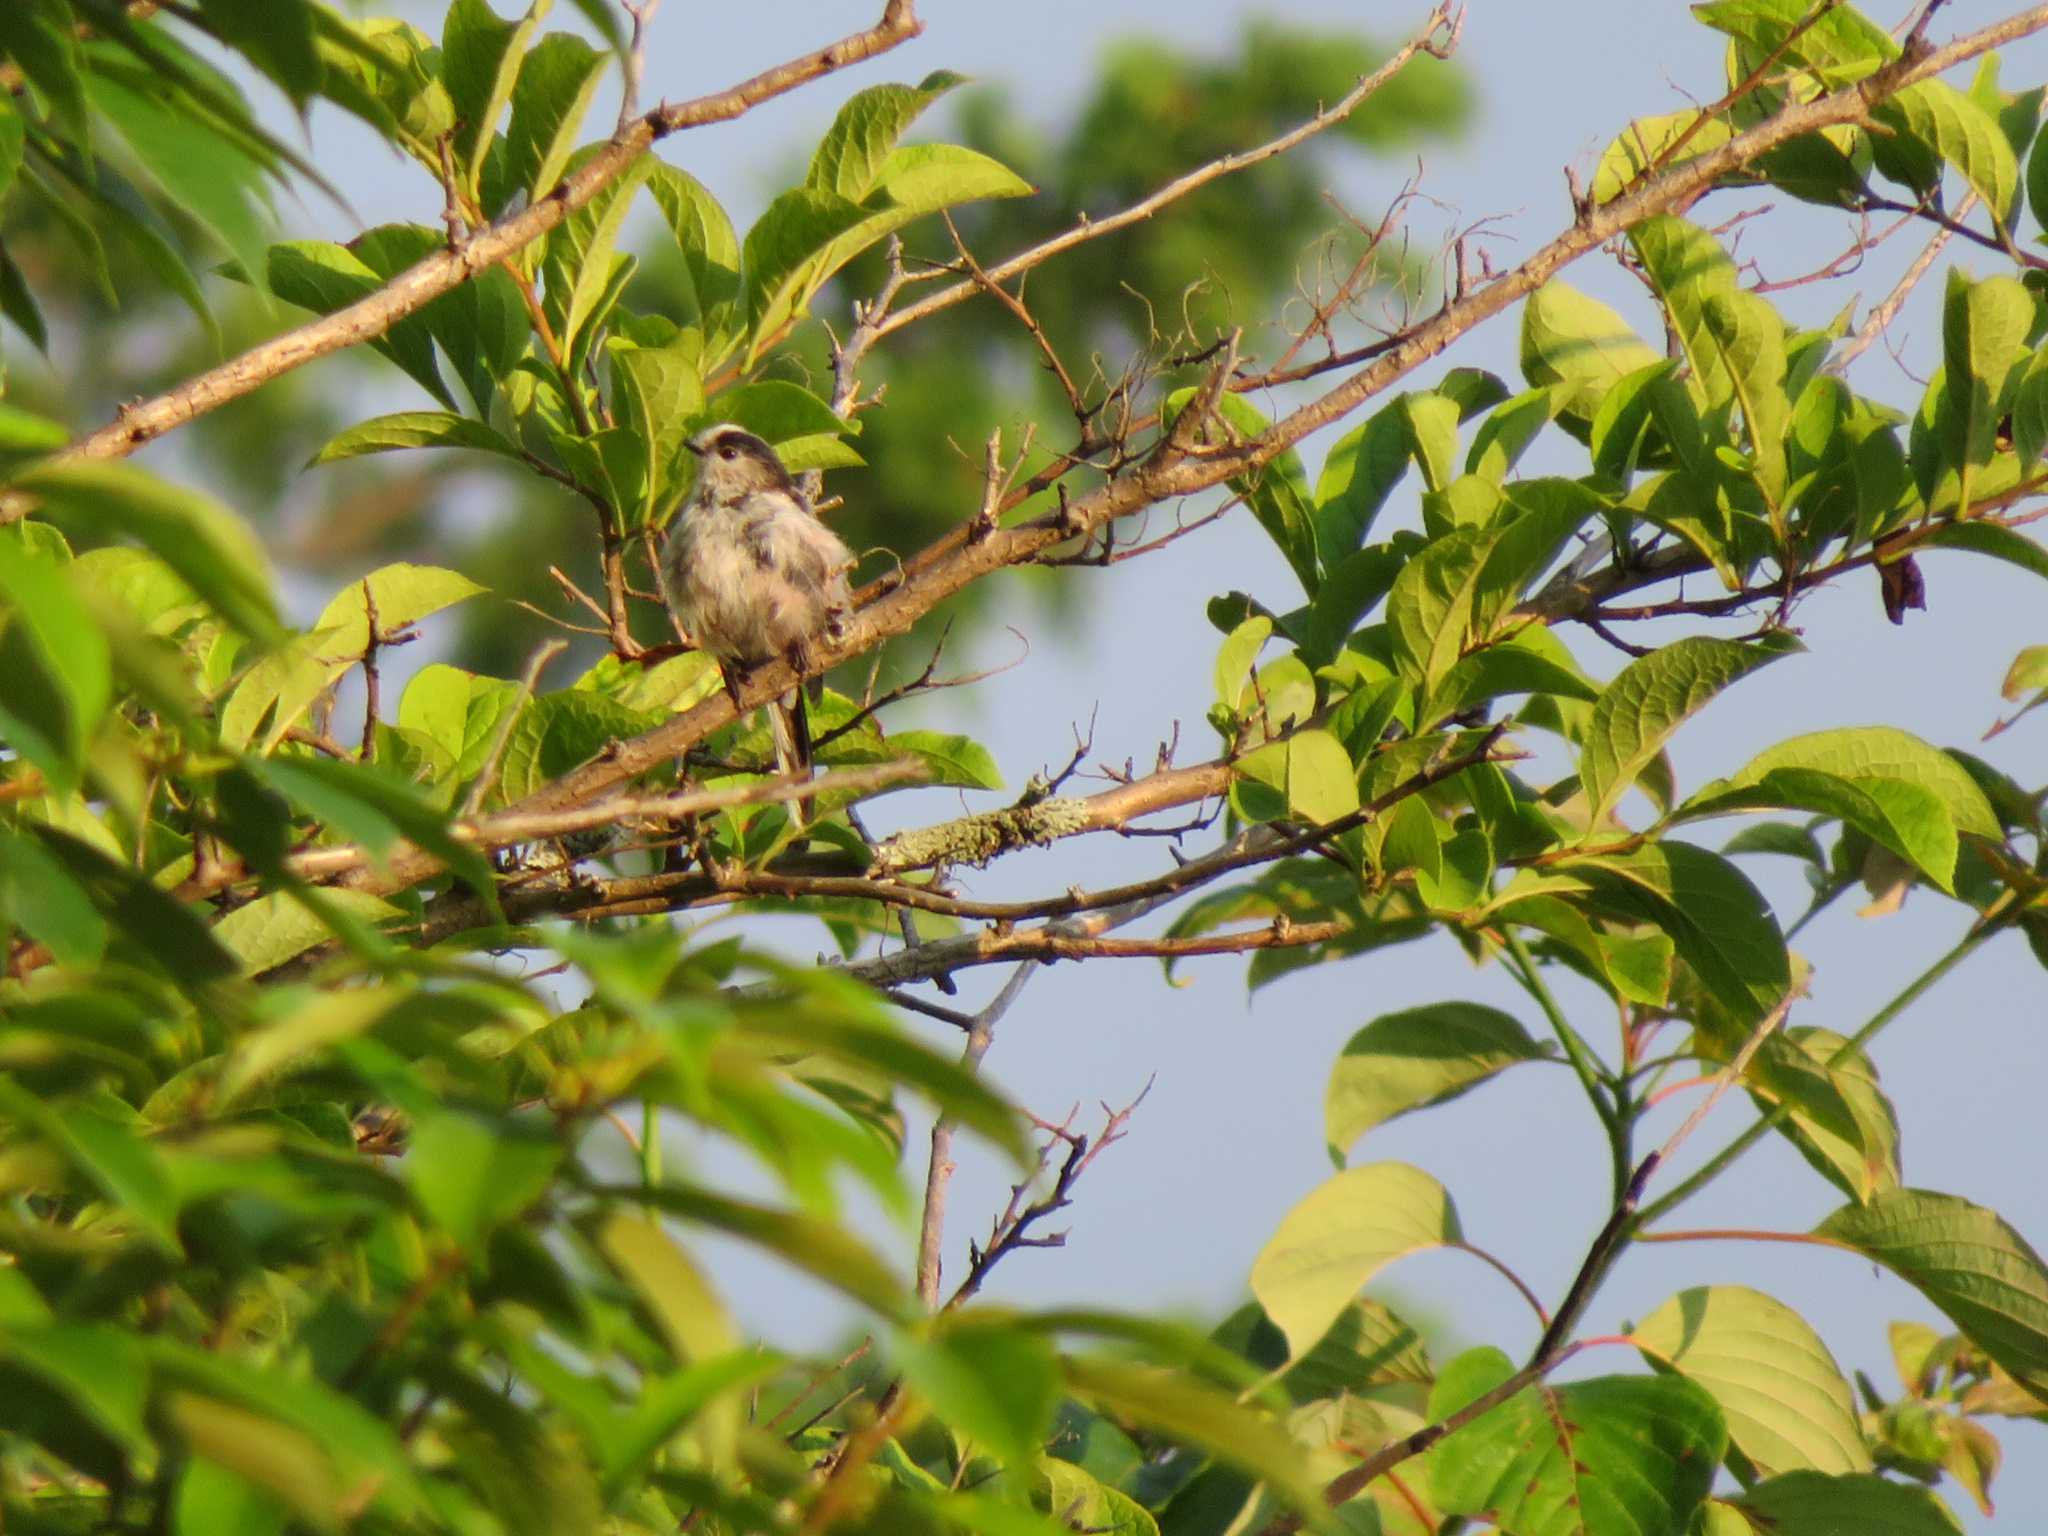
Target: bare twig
<point>1879,319</point>
<point>931,1230</point>
<point>1013,1228</point>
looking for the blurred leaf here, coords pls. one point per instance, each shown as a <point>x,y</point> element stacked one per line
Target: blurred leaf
<point>201,169</point>
<point>472,1174</point>
<point>208,546</point>
<point>1201,1417</point>
<point>274,928</point>
<point>821,1249</point>
<point>995,1383</point>
<point>60,681</point>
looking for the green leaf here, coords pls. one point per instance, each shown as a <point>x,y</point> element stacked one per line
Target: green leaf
<point>96,1369</point>
<point>1984,335</point>
<point>1968,1262</point>
<point>165,930</point>
<point>849,159</point>
<point>1571,340</point>
<point>809,233</point>
<point>1430,608</point>
<point>1416,1058</point>
<point>323,278</point>
<point>44,43</point>
<point>472,1174</point>
<point>2006,544</point>
<point>202,541</point>
<point>1662,143</point>
<point>692,1321</point>
<point>1650,698</point>
<point>1240,653</point>
<point>1787,1405</point>
<point>277,36</point>
<point>1508,431</point>
<point>60,680</point>
<point>112,1156</point>
<point>710,251</point>
<point>996,1383</point>
<point>278,926</point>
<point>1960,132</point>
<point>1276,493</point>
<point>1889,784</point>
<point>39,897</point>
<point>1884,752</point>
<point>1359,473</point>
<point>481,55</point>
<point>1348,1230</point>
<point>323,1455</point>
<point>1615,1456</point>
<point>657,392</point>
<point>1813,1504</point>
<point>417,429</point>
<point>1322,784</point>
<point>776,411</point>
<point>552,93</point>
<point>956,760</point>
<point>1078,1501</point>
<point>202,170</point>
<point>1719,922</point>
<point>1840,1119</point>
<point>1840,45</point>
<point>562,731</point>
<point>1734,339</point>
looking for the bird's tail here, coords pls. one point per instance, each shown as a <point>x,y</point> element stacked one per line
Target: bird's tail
<point>789,722</point>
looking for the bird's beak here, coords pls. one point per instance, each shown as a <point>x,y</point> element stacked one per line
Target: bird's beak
<point>691,444</point>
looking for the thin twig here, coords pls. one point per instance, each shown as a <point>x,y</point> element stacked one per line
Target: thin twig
<point>931,1230</point>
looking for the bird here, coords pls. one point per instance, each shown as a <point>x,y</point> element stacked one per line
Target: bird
<point>751,574</point>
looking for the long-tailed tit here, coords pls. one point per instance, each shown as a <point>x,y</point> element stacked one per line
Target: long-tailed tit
<point>751,574</point>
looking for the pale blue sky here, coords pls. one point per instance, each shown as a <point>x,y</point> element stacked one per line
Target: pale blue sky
<point>1231,1135</point>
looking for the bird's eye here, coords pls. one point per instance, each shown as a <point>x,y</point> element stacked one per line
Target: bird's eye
<point>728,452</point>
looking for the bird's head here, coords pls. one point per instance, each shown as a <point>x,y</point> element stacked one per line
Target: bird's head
<point>733,463</point>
